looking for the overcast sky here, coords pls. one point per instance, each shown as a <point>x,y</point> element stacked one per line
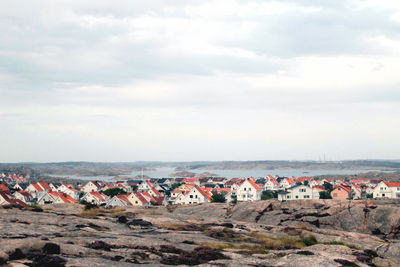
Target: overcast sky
<point>191,80</point>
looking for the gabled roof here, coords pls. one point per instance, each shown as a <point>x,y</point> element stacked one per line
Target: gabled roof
<point>44,185</point>
<point>347,189</point>
<point>100,196</point>
<point>392,184</point>
<point>203,193</point>
<point>256,187</point>
<point>38,187</point>
<point>140,197</point>
<point>190,180</point>
<point>9,198</point>
<point>125,199</point>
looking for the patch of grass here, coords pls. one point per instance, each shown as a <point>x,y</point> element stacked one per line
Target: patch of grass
<point>246,249</point>
<point>309,240</point>
<point>182,227</point>
<point>34,207</point>
<point>339,243</point>
<point>278,243</point>
<point>90,214</point>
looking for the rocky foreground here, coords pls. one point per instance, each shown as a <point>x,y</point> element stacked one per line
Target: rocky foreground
<point>264,233</point>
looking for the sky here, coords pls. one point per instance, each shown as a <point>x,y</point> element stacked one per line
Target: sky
<point>174,80</point>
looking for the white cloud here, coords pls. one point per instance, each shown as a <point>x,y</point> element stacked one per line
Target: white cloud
<point>188,80</point>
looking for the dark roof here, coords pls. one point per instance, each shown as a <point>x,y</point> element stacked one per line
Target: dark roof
<point>260,181</point>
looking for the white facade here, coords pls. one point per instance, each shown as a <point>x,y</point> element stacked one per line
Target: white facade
<point>194,196</point>
<point>299,192</point>
<point>248,192</point>
<point>89,187</point>
<point>382,190</point>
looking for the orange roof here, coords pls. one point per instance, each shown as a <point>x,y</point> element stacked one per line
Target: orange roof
<point>3,187</point>
<point>190,180</point>
<point>140,197</point>
<point>203,193</point>
<point>38,187</point>
<point>44,185</point>
<point>124,198</point>
<point>254,185</point>
<point>99,196</point>
<point>392,184</point>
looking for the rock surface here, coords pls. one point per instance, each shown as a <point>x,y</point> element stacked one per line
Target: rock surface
<point>263,233</point>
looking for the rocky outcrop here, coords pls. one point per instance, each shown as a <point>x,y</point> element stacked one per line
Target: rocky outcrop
<point>264,233</point>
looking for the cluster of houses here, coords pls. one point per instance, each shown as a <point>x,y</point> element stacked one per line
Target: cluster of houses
<point>183,191</point>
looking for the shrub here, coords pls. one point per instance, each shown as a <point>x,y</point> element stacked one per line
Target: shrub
<point>199,255</point>
<point>309,240</point>
<point>89,206</point>
<point>34,207</point>
<point>218,198</point>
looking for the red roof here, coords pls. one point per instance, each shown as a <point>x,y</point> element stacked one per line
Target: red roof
<point>125,199</point>
<point>190,180</point>
<point>3,187</point>
<point>140,197</point>
<point>9,198</point>
<point>254,185</point>
<point>98,195</point>
<point>203,193</point>
<point>302,179</point>
<point>38,187</point>
<point>392,184</point>
<point>44,185</point>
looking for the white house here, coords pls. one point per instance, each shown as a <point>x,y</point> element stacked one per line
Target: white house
<point>248,191</point>
<point>93,186</point>
<point>95,198</point>
<point>194,196</point>
<point>271,184</point>
<point>286,183</point>
<point>119,201</point>
<point>24,196</point>
<point>298,192</point>
<point>387,190</point>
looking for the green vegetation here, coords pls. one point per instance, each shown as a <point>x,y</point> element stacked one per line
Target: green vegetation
<point>218,198</point>
<point>268,195</point>
<point>114,191</point>
<point>325,195</point>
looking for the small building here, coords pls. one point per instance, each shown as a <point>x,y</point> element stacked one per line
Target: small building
<point>387,190</point>
<point>248,191</point>
<point>298,192</point>
<point>341,192</point>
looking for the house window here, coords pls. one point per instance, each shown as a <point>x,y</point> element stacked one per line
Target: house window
<point>306,196</point>
<point>334,194</point>
<point>191,196</point>
<point>136,202</point>
<point>297,196</point>
<point>195,196</point>
<point>244,189</point>
<point>288,196</point>
<point>383,195</point>
<point>249,189</point>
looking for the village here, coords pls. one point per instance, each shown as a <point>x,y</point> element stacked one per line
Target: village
<point>16,190</point>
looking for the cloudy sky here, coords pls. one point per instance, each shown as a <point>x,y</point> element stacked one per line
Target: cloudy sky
<point>101,80</point>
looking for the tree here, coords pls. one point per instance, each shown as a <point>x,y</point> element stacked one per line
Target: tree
<point>134,187</point>
<point>298,183</point>
<point>218,198</point>
<point>114,191</point>
<point>328,186</point>
<point>370,195</point>
<point>268,195</point>
<point>325,195</point>
<point>305,182</point>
